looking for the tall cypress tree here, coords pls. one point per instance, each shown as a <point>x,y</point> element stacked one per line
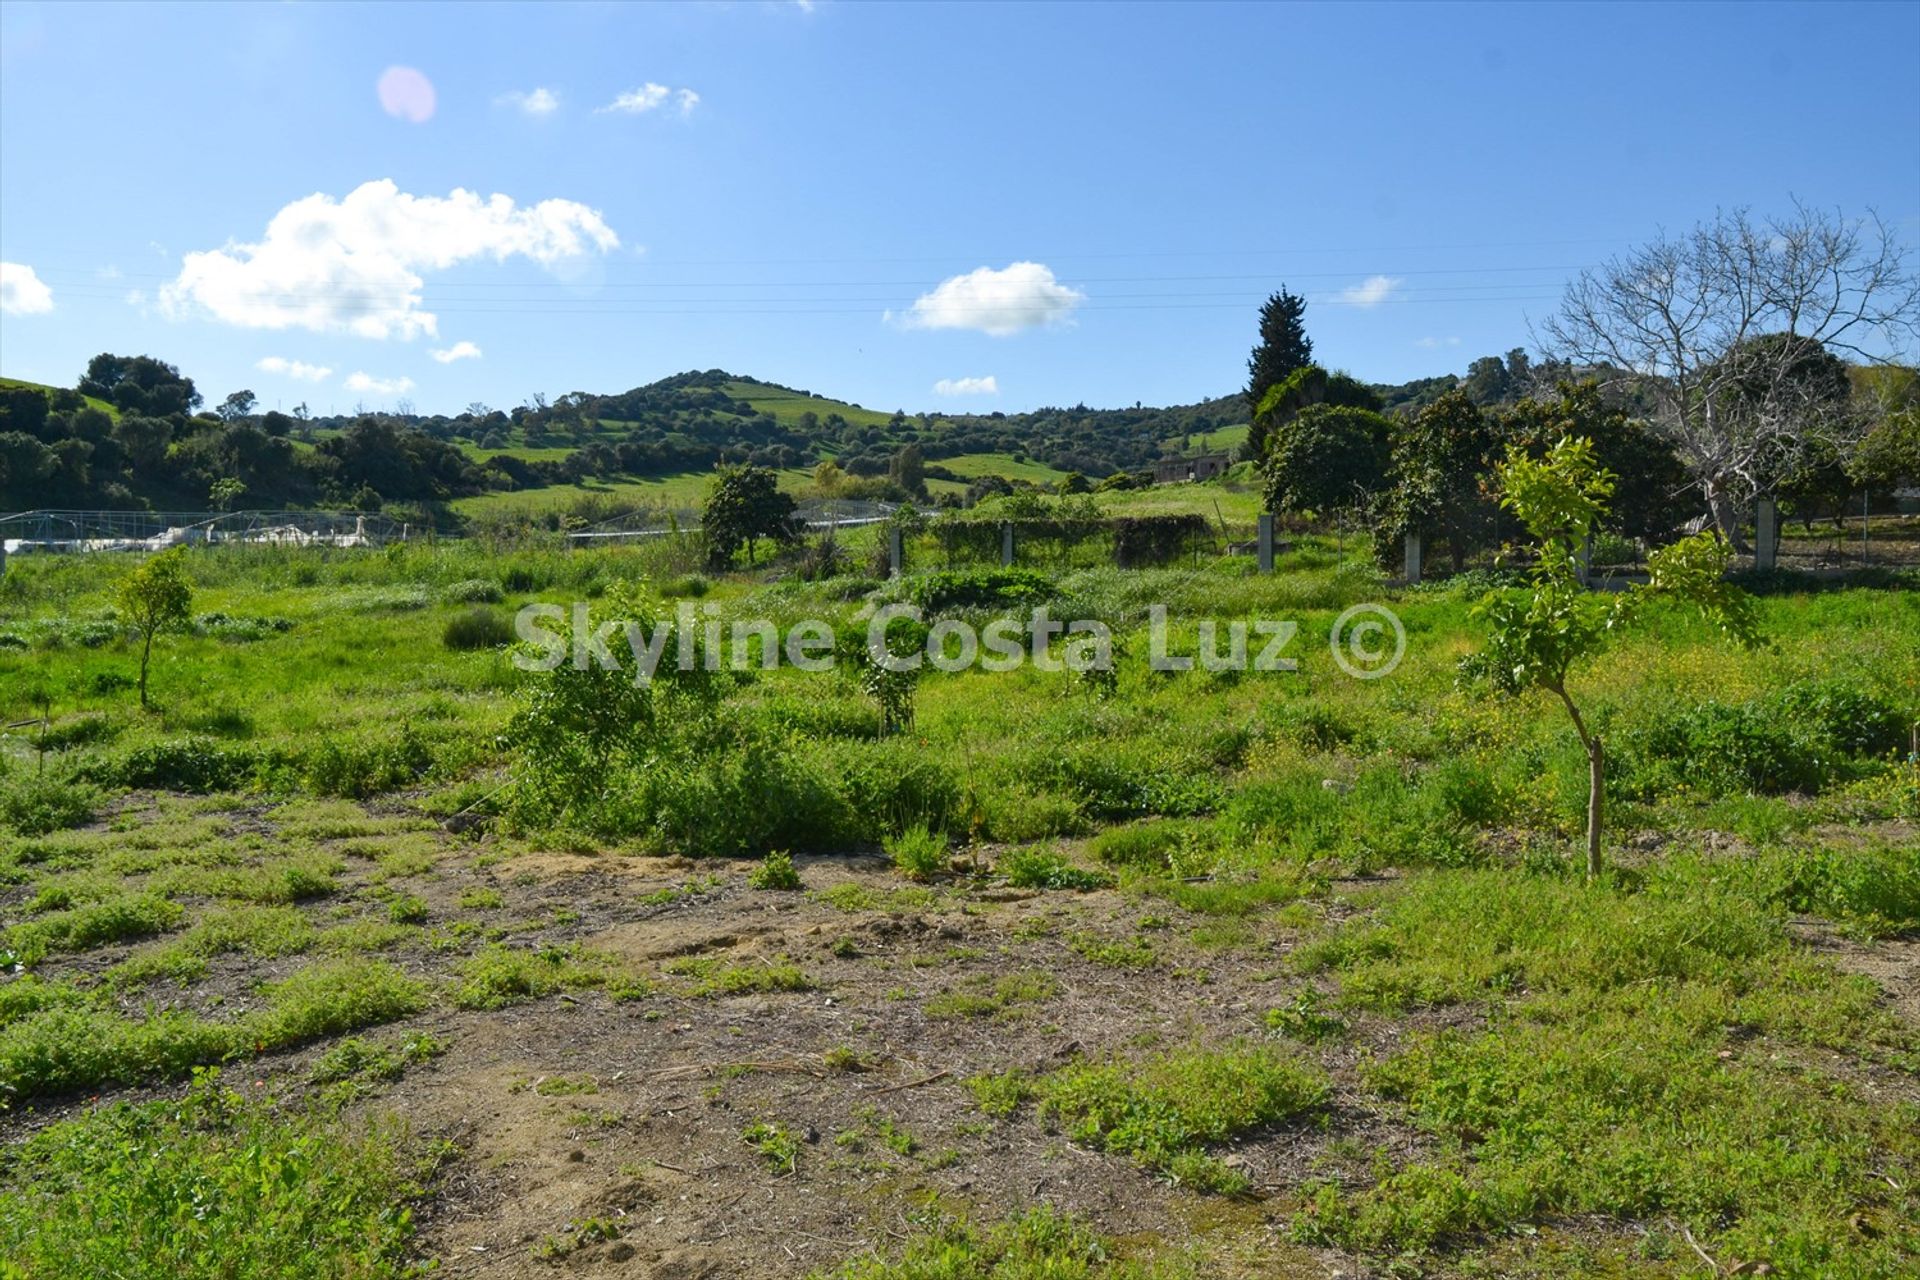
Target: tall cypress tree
<point>1284,345</point>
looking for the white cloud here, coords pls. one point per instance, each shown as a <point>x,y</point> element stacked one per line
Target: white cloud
<point>533,102</point>
<point>1370,292</point>
<point>354,264</point>
<point>406,94</point>
<point>357,381</point>
<point>986,386</point>
<point>298,370</point>
<point>1436,342</point>
<point>1023,295</point>
<point>650,97</point>
<point>22,292</point>
<point>458,351</point>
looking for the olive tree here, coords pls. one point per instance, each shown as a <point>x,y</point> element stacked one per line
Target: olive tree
<point>1540,632</point>
<point>153,598</point>
<point>1716,329</point>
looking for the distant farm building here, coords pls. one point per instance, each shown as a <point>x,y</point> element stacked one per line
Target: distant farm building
<point>1207,466</point>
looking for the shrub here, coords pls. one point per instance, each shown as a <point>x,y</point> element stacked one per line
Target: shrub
<point>34,806</point>
<point>980,588</point>
<point>117,919</point>
<point>686,586</point>
<point>1034,867</point>
<point>360,769</point>
<point>918,854</point>
<point>193,765</point>
<point>1165,1110</point>
<point>775,872</point>
<point>1853,720</point>
<point>477,628</point>
<point>473,591</point>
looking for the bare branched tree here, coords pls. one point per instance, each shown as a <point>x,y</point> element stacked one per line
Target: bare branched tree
<point>1731,332</point>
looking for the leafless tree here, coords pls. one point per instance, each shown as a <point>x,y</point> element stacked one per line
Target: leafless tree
<point>1722,330</point>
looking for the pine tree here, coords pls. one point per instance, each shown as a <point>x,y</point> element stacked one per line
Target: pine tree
<point>1284,345</point>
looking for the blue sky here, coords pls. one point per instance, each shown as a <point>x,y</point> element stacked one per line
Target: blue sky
<point>806,193</point>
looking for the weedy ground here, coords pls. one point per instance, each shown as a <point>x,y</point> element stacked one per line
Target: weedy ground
<point>1196,974</point>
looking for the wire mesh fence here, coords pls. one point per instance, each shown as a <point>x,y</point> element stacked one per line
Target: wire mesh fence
<point>83,531</point>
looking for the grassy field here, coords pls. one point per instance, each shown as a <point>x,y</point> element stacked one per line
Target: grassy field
<point>1221,440</point>
<point>973,465</point>
<point>787,406</point>
<point>364,950</point>
<point>93,402</point>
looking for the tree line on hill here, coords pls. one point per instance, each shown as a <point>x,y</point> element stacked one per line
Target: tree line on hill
<point>1707,371</point>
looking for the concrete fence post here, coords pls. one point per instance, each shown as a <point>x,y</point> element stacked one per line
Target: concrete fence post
<point>1266,542</point>
<point>1766,534</point>
<point>896,552</point>
<point>1413,558</point>
<point>1006,544</point>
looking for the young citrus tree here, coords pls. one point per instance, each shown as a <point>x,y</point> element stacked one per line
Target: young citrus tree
<point>1540,632</point>
<point>152,598</point>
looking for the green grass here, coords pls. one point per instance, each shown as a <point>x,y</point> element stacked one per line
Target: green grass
<point>787,406</point>
<point>1656,1051</point>
<point>1039,1245</point>
<point>1170,1111</point>
<point>68,1045</point>
<point>1644,1058</point>
<point>1008,995</point>
<point>973,465</point>
<point>209,1184</point>
<point>1219,440</point>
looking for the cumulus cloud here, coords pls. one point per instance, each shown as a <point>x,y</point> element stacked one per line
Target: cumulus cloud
<point>298,370</point>
<point>22,292</point>
<point>650,97</point>
<point>406,94</point>
<point>1370,292</point>
<point>357,381</point>
<point>354,264</point>
<point>458,351</point>
<point>1023,295</point>
<point>986,386</point>
<point>533,102</point>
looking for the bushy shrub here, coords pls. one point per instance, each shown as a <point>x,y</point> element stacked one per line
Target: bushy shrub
<point>473,591</point>
<point>358,769</point>
<point>82,731</point>
<point>917,853</point>
<point>980,588</point>
<point>35,805</point>
<point>1853,720</point>
<point>774,872</point>
<point>477,628</point>
<point>687,586</point>
<point>1037,867</point>
<point>1794,739</point>
<point>194,765</point>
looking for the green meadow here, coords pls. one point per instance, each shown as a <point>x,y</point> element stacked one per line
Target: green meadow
<point>365,951</point>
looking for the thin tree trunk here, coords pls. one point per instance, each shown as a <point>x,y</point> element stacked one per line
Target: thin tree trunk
<point>1596,798</point>
<point>1596,783</point>
<point>146,651</point>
